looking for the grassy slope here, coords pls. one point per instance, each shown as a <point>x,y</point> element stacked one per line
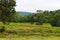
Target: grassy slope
<point>33,38</point>
<point>32,29</point>
<point>27,31</point>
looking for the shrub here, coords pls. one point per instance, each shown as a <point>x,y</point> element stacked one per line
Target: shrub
<point>2,29</point>
<point>38,23</point>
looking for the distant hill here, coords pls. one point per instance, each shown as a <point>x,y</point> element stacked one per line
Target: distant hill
<point>24,13</point>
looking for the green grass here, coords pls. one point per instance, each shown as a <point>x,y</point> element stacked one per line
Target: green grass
<point>46,25</point>
<point>28,31</point>
<point>25,24</point>
<point>32,29</point>
<point>33,38</point>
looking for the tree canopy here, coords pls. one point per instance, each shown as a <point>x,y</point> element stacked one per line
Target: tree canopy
<point>7,10</point>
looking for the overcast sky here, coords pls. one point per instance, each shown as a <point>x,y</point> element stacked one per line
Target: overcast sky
<point>33,5</point>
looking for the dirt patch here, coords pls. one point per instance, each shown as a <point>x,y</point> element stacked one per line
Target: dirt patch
<point>26,27</point>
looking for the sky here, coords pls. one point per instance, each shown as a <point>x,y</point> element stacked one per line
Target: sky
<point>33,5</point>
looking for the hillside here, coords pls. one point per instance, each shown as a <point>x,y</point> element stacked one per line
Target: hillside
<point>24,13</point>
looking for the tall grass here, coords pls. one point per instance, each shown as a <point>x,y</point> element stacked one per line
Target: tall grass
<point>33,38</point>
<point>28,29</point>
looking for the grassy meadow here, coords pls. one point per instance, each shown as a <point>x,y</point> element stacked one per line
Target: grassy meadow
<point>28,31</point>
<point>33,38</point>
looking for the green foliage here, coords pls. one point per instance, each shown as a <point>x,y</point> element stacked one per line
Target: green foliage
<point>39,23</point>
<point>40,17</point>
<point>56,21</point>
<point>7,10</point>
<point>2,29</point>
<point>52,17</point>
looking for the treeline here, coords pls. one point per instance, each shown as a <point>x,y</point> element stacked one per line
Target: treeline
<point>40,17</point>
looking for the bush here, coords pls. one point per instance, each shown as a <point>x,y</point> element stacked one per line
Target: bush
<point>11,31</point>
<point>38,23</point>
<point>2,29</point>
<point>53,24</point>
<point>56,23</point>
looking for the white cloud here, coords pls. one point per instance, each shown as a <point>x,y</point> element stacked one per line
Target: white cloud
<point>33,5</point>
